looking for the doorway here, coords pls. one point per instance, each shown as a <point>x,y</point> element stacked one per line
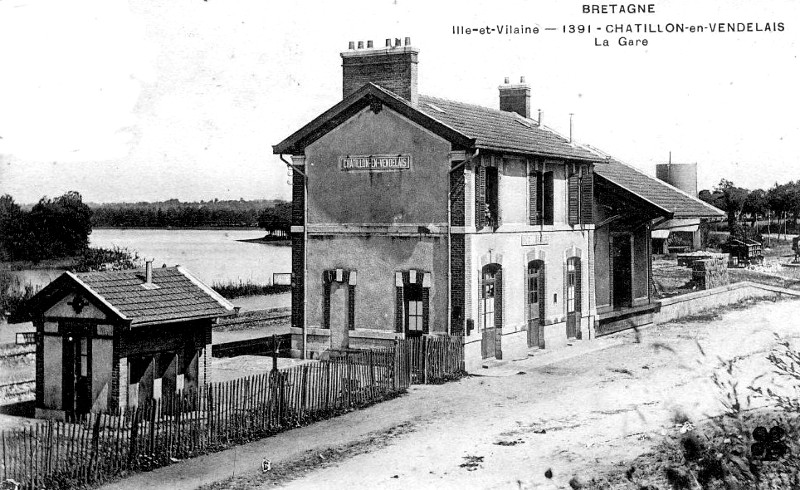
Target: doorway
<point>573,297</point>
<point>622,271</point>
<point>338,315</point>
<point>534,303</point>
<point>77,376</point>
<point>491,311</point>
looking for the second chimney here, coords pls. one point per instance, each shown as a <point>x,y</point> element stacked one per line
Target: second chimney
<point>148,272</point>
<point>393,68</point>
<point>516,98</point>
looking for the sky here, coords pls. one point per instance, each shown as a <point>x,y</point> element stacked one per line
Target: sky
<point>152,100</point>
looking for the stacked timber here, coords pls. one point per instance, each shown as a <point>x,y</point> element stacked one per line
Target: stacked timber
<point>710,273</point>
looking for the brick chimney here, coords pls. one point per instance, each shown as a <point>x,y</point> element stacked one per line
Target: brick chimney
<point>393,67</point>
<point>516,98</point>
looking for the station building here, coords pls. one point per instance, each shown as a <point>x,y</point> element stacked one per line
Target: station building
<point>416,215</point>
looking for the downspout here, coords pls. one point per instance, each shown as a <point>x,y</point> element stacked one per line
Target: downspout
<point>450,243</point>
<point>305,252</point>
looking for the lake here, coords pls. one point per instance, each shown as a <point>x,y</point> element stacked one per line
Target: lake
<point>211,255</point>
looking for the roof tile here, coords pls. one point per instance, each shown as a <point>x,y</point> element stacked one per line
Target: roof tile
<point>176,297</point>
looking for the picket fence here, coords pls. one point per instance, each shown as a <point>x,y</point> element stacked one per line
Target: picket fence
<point>98,447</point>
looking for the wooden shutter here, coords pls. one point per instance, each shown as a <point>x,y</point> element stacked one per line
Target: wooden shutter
<point>587,197</point>
<point>498,299</point>
<point>573,200</point>
<point>543,298</point>
<point>547,198</point>
<point>398,310</point>
<point>498,314</point>
<point>351,307</point>
<point>535,217</point>
<point>426,310</point>
<point>326,301</point>
<point>578,296</point>
<point>480,197</point>
<point>480,300</point>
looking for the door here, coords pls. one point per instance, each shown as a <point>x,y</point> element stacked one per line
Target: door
<point>339,323</point>
<point>491,314</point>
<point>573,298</point>
<point>622,270</point>
<point>77,374</point>
<point>534,303</point>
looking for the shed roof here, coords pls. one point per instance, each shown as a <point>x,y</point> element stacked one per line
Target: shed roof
<point>671,199</point>
<point>175,295</point>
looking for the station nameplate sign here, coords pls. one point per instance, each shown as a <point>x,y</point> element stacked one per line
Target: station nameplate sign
<point>375,163</point>
<point>530,239</point>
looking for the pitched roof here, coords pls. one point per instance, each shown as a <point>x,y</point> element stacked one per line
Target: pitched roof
<point>502,130</point>
<point>466,125</point>
<point>355,102</point>
<point>671,199</point>
<point>176,295</point>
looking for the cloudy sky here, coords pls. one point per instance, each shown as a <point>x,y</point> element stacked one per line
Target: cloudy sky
<point>151,100</point>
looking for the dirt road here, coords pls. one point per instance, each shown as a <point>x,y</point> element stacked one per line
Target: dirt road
<point>581,416</point>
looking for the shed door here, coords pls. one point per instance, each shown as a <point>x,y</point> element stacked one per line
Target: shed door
<point>77,374</point>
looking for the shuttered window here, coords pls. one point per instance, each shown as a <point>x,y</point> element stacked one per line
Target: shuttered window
<point>573,200</point>
<point>547,198</point>
<point>587,197</point>
<point>480,197</point>
<point>535,196</point>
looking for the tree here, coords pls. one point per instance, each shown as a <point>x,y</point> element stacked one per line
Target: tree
<point>731,201</point>
<point>755,205</point>
<point>61,226</point>
<point>14,235</point>
<point>276,219</point>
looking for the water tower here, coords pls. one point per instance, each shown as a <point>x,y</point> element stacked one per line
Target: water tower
<point>678,234</point>
<point>681,175</point>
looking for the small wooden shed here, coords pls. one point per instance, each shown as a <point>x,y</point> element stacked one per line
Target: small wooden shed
<point>117,339</point>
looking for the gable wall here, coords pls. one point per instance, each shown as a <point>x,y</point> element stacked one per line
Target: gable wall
<point>418,195</point>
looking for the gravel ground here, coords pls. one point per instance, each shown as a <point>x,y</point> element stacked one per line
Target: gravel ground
<point>535,423</point>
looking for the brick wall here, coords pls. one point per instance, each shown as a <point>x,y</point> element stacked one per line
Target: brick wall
<point>395,70</point>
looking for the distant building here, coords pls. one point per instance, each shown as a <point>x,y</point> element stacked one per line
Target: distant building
<point>679,233</point>
<point>110,340</point>
<point>417,215</point>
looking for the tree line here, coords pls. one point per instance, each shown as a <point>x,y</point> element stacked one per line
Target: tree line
<point>781,202</point>
<point>176,214</point>
<point>52,228</point>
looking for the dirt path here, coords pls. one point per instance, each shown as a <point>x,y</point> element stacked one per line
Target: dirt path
<point>581,416</point>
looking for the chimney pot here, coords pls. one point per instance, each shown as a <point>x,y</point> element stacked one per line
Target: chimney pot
<point>369,44</point>
<point>351,45</point>
<point>148,272</point>
<point>408,41</point>
<point>361,45</point>
<point>515,98</point>
<point>505,80</point>
<point>397,42</point>
<point>393,69</point>
<point>521,79</point>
